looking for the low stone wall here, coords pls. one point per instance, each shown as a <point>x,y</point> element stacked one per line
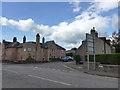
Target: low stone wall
<point>108,68</point>
<point>103,67</point>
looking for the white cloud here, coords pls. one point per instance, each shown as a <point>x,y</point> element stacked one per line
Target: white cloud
<point>76,7</point>
<point>99,7</point>
<point>75,31</point>
<point>24,25</point>
<point>65,32</point>
<point>70,33</point>
<point>115,21</point>
<point>71,45</point>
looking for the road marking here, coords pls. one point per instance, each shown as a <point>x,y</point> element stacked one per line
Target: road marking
<point>53,69</point>
<point>69,68</point>
<point>70,71</point>
<point>10,71</point>
<point>49,80</point>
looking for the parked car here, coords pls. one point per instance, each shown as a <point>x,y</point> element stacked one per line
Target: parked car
<point>67,58</point>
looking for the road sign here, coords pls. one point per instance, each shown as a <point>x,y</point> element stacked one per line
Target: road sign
<point>90,43</point>
<point>90,48</point>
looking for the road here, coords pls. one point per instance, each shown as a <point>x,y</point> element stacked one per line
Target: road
<point>51,75</point>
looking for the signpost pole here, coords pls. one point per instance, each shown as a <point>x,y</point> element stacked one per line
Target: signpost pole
<point>88,67</point>
<point>94,62</point>
<point>94,53</point>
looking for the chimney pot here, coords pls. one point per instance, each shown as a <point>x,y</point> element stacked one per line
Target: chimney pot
<point>24,39</point>
<point>14,39</point>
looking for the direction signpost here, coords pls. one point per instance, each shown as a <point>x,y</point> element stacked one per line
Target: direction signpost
<point>90,49</point>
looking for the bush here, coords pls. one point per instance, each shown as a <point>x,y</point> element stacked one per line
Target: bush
<point>30,58</point>
<point>77,58</point>
<point>106,58</point>
<point>69,54</point>
<point>54,59</point>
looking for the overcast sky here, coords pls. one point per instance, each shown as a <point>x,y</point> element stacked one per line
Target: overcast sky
<point>64,22</point>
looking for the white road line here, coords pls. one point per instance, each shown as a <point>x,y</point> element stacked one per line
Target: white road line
<point>10,71</point>
<point>70,71</point>
<point>49,80</point>
<point>69,68</point>
<point>53,69</point>
<point>63,70</point>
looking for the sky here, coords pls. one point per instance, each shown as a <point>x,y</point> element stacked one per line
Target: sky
<point>64,22</point>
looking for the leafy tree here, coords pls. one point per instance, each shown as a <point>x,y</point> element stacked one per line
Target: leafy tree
<point>74,48</point>
<point>115,41</point>
<point>69,54</point>
<point>77,58</point>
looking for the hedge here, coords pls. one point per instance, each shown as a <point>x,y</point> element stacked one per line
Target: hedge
<point>113,59</point>
<point>54,59</point>
<point>77,57</point>
<point>30,58</point>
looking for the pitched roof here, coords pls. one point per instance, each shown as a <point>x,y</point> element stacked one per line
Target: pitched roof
<point>12,45</point>
<point>49,43</point>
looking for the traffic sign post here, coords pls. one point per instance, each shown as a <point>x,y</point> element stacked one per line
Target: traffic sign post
<point>88,61</point>
<point>90,49</point>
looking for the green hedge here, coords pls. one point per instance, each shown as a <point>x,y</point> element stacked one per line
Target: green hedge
<point>106,58</point>
<point>77,57</point>
<point>30,58</point>
<point>54,59</point>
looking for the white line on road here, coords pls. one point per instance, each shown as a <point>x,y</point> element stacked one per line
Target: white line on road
<point>49,80</point>
<point>69,68</point>
<point>53,69</point>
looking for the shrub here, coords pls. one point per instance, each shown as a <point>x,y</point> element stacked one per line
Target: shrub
<point>54,59</point>
<point>30,58</point>
<point>77,58</point>
<point>106,58</point>
<point>69,54</point>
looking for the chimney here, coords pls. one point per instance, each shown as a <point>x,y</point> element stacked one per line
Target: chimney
<point>24,39</point>
<point>37,38</point>
<point>43,40</point>
<point>3,41</point>
<point>94,32</point>
<point>14,39</point>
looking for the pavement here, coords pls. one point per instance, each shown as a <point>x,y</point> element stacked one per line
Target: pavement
<point>80,68</point>
<point>51,75</point>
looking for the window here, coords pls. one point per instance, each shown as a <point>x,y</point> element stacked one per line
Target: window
<point>29,49</point>
<point>24,49</point>
<point>52,50</point>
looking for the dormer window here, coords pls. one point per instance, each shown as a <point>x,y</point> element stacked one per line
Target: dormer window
<point>24,49</point>
<point>29,49</point>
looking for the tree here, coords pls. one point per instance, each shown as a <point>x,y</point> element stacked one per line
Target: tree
<point>74,48</point>
<point>115,41</point>
<point>77,58</point>
<point>69,54</point>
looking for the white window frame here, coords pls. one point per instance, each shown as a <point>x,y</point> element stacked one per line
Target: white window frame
<point>29,49</point>
<point>24,49</point>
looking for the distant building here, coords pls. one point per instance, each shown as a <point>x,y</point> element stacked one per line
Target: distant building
<point>102,45</point>
<point>73,51</point>
<point>38,51</point>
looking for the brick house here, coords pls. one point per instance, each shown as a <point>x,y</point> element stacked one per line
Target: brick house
<point>102,45</point>
<point>38,51</point>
